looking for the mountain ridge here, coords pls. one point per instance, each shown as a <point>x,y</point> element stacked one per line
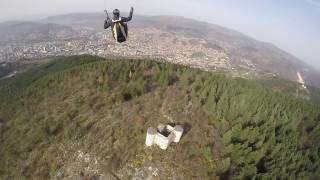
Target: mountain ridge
<point>31,31</point>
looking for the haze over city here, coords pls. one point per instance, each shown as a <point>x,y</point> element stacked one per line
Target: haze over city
<point>291,25</point>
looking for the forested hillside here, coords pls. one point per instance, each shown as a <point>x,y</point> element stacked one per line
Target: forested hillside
<point>86,117</point>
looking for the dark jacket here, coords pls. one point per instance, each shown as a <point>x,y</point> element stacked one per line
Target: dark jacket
<point>119,27</point>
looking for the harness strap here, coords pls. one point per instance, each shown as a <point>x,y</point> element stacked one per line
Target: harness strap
<point>115,34</point>
<point>115,21</point>
<point>123,31</point>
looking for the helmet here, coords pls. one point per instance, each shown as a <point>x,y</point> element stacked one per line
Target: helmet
<point>116,12</point>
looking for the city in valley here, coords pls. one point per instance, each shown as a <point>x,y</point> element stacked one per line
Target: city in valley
<point>147,42</point>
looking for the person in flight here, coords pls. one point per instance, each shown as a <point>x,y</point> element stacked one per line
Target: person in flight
<point>118,25</point>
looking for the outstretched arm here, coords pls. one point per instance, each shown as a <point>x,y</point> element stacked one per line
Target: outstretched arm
<point>126,19</point>
<point>107,22</point>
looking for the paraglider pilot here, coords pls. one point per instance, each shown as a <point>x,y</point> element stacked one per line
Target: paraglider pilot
<point>118,25</point>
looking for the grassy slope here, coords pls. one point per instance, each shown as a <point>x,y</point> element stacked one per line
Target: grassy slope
<point>51,116</point>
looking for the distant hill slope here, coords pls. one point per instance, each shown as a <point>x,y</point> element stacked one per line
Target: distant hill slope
<point>241,48</point>
<point>34,32</point>
<point>86,117</point>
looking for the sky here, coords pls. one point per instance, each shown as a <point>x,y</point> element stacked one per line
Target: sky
<point>292,25</point>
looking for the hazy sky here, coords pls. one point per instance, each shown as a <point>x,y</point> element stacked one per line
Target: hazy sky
<point>292,25</point>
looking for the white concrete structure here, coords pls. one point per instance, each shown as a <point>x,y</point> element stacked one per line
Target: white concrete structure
<point>151,133</point>
<point>164,135</point>
<point>178,131</point>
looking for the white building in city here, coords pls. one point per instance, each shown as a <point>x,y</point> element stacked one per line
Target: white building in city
<point>164,135</point>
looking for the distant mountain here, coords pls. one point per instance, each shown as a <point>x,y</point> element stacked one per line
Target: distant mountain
<point>93,21</point>
<point>241,48</point>
<point>34,31</point>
